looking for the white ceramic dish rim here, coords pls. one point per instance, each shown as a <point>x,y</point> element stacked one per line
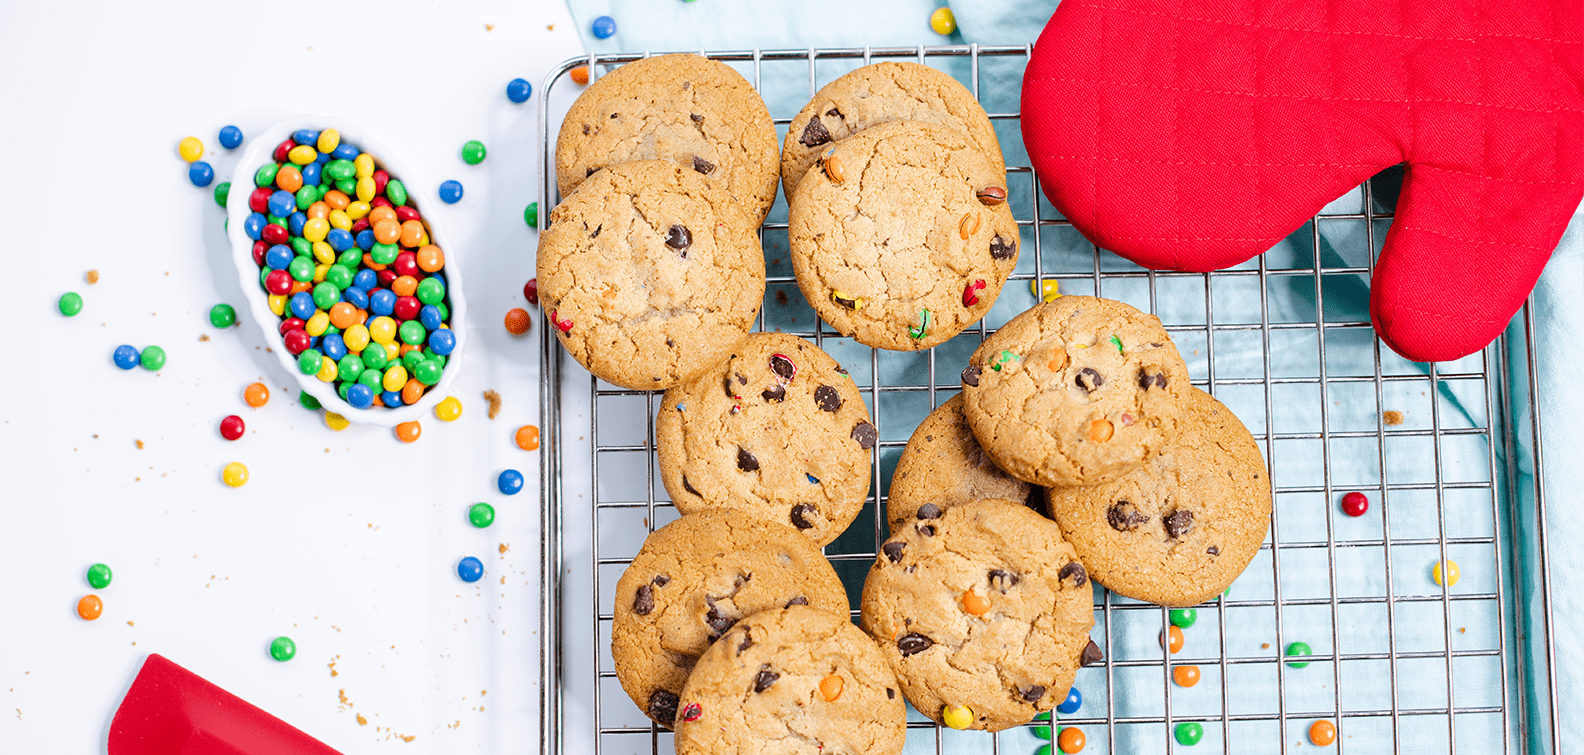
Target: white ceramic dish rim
<point>260,149</point>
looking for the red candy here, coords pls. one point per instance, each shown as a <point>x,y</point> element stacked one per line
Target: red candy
<point>407,308</point>
<point>406,213</point>
<point>969,297</point>
<point>531,290</point>
<point>380,179</point>
<point>278,282</point>
<point>231,427</point>
<point>565,326</point>
<point>274,234</point>
<point>258,201</point>
<point>692,712</point>
<point>387,277</point>
<point>260,248</point>
<point>360,226</point>
<point>290,324</point>
<point>296,341</point>
<point>1355,504</point>
<point>379,202</point>
<point>407,264</point>
<point>282,149</point>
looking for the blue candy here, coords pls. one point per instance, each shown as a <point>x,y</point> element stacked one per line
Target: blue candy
<point>310,173</point>
<point>302,305</point>
<point>254,225</point>
<point>295,223</point>
<point>279,256</point>
<point>306,136</point>
<point>382,301</point>
<point>355,297</point>
<point>391,398</point>
<point>451,192</point>
<point>282,203</point>
<point>339,240</point>
<point>127,357</point>
<point>344,151</point>
<point>334,346</point>
<point>360,396</point>
<point>510,482</point>
<point>604,27</point>
<point>365,239</point>
<point>323,158</point>
<point>442,341</point>
<point>200,173</point>
<point>365,280</point>
<point>430,317</point>
<point>470,569</point>
<point>519,90</point>
<point>1071,704</point>
<point>230,137</point>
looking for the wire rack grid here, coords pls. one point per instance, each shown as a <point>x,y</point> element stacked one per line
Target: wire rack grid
<point>1399,662</point>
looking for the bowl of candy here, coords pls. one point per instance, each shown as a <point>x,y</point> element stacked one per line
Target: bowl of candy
<point>357,291</point>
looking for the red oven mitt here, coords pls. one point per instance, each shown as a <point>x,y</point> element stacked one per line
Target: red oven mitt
<point>1195,134</point>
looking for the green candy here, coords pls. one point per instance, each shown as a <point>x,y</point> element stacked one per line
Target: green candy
<point>347,186</point>
<point>339,169</point>
<point>1299,649</point>
<point>531,215</point>
<point>264,275</point>
<point>481,515</point>
<point>374,356</point>
<point>70,303</point>
<point>339,276</point>
<point>412,359</point>
<point>374,379</point>
<point>321,190</point>
<point>222,316</point>
<point>445,312</point>
<point>301,268</point>
<point>412,332</point>
<point>222,193</point>
<point>306,196</point>
<point>276,220</point>
<point>350,258</point>
<point>1184,617</point>
<point>431,291</point>
<point>331,330</point>
<point>325,295</point>
<point>350,367</point>
<point>301,247</point>
<point>309,362</point>
<point>266,174</point>
<point>433,357</point>
<point>1189,733</point>
<point>99,576</point>
<point>1044,732</point>
<point>473,152</point>
<point>309,402</point>
<point>283,649</point>
<point>153,358</point>
<point>428,371</point>
<point>396,192</point>
<point>384,254</point>
<point>341,390</point>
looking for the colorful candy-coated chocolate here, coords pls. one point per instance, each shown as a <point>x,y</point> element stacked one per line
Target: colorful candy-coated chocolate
<point>1185,676</point>
<point>531,215</point>
<point>309,361</point>
<point>190,148</point>
<point>603,27</point>
<point>222,316</point>
<point>360,396</point>
<point>1297,649</point>
<point>283,649</point>
<point>126,357</point>
<point>470,569</point>
<point>1072,703</point>
<point>442,341</point>
<point>235,474</point>
<point>407,432</point>
<point>200,173</point>
<point>943,22</point>
<point>449,409</point>
<point>519,90</point>
<point>99,576</point>
<point>1071,740</point>
<point>1184,617</point>
<point>230,137</point>
<point>1322,733</point>
<point>1188,733</point>
<point>222,193</point>
<point>451,191</point>
<point>518,321</point>
<point>1172,638</point>
<point>296,342</point>
<point>428,371</point>
<point>256,395</point>
<point>412,331</point>
<point>580,75</point>
<point>531,290</point>
<point>473,152</point>
<point>1452,574</point>
<point>335,421</point>
<point>1044,732</point>
<point>510,482</point>
<point>70,303</point>
<point>1046,290</point>
<point>528,438</point>
<point>1355,504</point>
<point>232,427</point>
<point>308,401</point>
<point>396,192</point>
<point>957,716</point>
<point>481,515</point>
<point>90,607</point>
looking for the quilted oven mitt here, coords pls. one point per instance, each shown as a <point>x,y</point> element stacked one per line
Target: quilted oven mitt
<point>1195,134</point>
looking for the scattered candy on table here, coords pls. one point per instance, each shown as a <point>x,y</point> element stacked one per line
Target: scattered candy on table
<point>1047,290</point>
<point>1184,617</point>
<point>1452,573</point>
<point>256,395</point>
<point>518,90</point>
<point>528,438</point>
<point>1172,638</point>
<point>283,649</point>
<point>603,27</point>
<point>222,193</point>
<point>1185,676</point>
<point>235,474</point>
<point>1072,703</point>
<point>510,482</point>
<point>230,137</point>
<point>90,607</point>
<point>957,716</point>
<point>335,421</point>
<point>70,303</point>
<point>1322,733</point>
<point>470,569</point>
<point>531,214</point>
<point>1298,649</point>
<point>200,173</point>
<point>126,357</point>
<point>531,290</point>
<point>448,410</point>
<point>1189,733</point>
<point>232,427</point>
<point>473,152</point>
<point>308,402</point>
<point>1355,504</point>
<point>99,576</point>
<point>222,316</point>
<point>1044,732</point>
<point>190,149</point>
<point>451,191</point>
<point>943,22</point>
<point>406,432</point>
<point>153,358</point>
<point>518,321</point>
<point>579,75</point>
<point>481,515</point>
<point>1070,740</point>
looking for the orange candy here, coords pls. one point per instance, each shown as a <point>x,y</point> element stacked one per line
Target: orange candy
<point>413,391</point>
<point>404,286</point>
<point>528,438</point>
<point>336,200</point>
<point>381,214</point>
<point>411,232</point>
<point>408,432</point>
<point>343,315</point>
<point>975,604</point>
<point>1322,733</point>
<point>1185,676</point>
<point>318,210</point>
<point>1176,638</point>
<point>387,231</point>
<point>517,321</point>
<point>256,395</point>
<point>90,607</point>
<point>430,258</point>
<point>1071,740</point>
<point>831,688</point>
<point>368,262</point>
<point>288,178</point>
<point>580,75</point>
<point>301,286</point>
<point>406,347</point>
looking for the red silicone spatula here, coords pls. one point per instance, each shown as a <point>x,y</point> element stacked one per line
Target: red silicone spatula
<point>172,711</point>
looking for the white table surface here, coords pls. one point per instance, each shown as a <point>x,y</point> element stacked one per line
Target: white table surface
<point>346,542</point>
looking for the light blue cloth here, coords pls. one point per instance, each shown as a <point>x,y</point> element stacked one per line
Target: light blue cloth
<point>673,25</point>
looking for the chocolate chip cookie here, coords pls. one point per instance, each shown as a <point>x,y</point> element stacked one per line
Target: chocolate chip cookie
<point>777,429</point>
<point>877,94</point>
<point>944,465</point>
<point>692,580</point>
<point>902,237</point>
<point>694,112</point>
<point>793,681</point>
<point>650,274</point>
<point>983,610</point>
<point>1179,529</point>
<point>1077,391</point>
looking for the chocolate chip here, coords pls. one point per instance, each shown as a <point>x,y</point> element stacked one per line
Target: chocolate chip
<point>741,380</point>
<point>747,641</point>
<point>800,515</point>
<point>585,129</point>
<point>688,486</point>
<point>914,643</point>
<point>814,134</point>
<point>782,366</point>
<point>697,118</point>
<point>1213,550</point>
<point>1125,517</point>
<point>774,394</point>
<point>742,579</point>
<point>1002,250</point>
<point>848,303</point>
<point>663,707</point>
<point>866,435</point>
<point>890,693</point>
<point>660,580</point>
<point>1033,694</point>
<point>596,232</point>
<point>781,297</point>
<point>718,624</point>
<point>841,370</point>
<point>929,511</point>
<point>1178,523</point>
<point>765,678</point>
<point>827,398</point>
<point>927,530</point>
<point>834,113</point>
<point>679,237</point>
<point>1091,655</point>
<point>798,601</point>
<point>614,116</point>
<point>591,171</point>
<point>970,375</point>
<point>1089,380</point>
<point>726,384</point>
<point>643,602</point>
<point>703,166</point>
<point>746,461</point>
<point>1146,380</point>
<point>1002,580</point>
<point>893,550</point>
<point>1076,571</point>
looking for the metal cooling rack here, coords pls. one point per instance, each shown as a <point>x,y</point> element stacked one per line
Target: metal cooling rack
<point>1361,597</point>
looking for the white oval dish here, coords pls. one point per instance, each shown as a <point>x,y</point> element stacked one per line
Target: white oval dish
<point>260,150</point>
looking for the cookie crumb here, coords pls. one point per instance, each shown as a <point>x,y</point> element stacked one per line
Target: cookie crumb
<point>494,400</point>
<point>1392,417</point>
<point>361,720</point>
<point>1264,646</point>
<point>139,444</point>
<point>503,548</point>
<point>551,27</point>
<point>407,737</point>
<point>203,337</point>
<point>92,277</point>
<point>130,624</point>
<point>489,27</point>
<point>781,297</point>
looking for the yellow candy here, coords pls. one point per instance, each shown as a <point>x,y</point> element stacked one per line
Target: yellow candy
<point>449,409</point>
<point>943,22</point>
<point>956,716</point>
<point>329,139</point>
<point>339,219</point>
<point>328,370</point>
<point>190,148</point>
<point>319,273</point>
<point>317,323</point>
<point>423,238</point>
<point>395,378</point>
<point>316,229</point>
<point>335,421</point>
<point>277,304</point>
<point>1052,292</point>
<point>235,474</point>
<point>392,351</point>
<point>365,188</point>
<point>382,329</point>
<point>323,252</point>
<point>302,154</point>
<point>363,166</point>
<point>358,210</point>
<point>1452,573</point>
<point>356,338</point>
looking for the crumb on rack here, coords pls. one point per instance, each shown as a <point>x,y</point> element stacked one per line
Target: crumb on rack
<point>1392,417</point>
<point>92,277</point>
<point>139,444</point>
<point>203,337</point>
<point>503,548</point>
<point>361,720</point>
<point>1264,646</point>
<point>781,297</point>
<point>494,400</point>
